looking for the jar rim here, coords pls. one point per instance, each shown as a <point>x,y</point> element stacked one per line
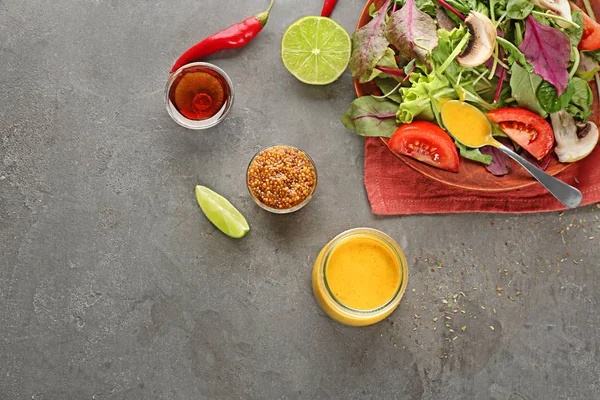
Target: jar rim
<point>390,245</point>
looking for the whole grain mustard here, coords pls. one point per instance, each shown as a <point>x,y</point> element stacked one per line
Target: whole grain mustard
<point>281,177</point>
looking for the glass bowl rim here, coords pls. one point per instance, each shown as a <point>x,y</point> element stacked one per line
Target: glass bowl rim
<point>182,120</point>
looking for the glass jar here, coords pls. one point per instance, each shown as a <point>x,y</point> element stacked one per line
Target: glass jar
<point>295,207</point>
<point>332,305</point>
<point>219,84</point>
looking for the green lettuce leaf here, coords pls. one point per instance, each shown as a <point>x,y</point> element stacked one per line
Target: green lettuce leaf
<point>416,100</point>
<point>369,116</point>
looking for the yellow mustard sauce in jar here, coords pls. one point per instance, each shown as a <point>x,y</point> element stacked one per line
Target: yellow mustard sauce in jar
<point>360,277</point>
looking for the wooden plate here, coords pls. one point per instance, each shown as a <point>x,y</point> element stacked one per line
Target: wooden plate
<point>471,175</point>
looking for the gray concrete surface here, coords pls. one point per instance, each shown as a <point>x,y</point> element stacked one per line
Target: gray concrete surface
<point>113,285</point>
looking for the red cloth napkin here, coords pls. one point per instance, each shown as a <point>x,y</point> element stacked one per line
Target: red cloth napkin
<point>396,189</point>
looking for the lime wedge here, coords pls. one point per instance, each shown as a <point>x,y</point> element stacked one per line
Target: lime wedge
<point>316,50</point>
<point>221,213</point>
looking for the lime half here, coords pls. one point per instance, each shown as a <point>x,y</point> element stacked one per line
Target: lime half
<point>316,50</point>
<point>221,213</point>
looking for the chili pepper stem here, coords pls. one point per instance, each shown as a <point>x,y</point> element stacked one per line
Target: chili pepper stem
<point>263,17</point>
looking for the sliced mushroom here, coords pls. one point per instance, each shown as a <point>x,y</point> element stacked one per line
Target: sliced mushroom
<point>482,42</point>
<point>574,142</point>
<point>557,7</point>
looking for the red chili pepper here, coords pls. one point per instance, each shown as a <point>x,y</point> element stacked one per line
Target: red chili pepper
<point>328,7</point>
<point>236,36</point>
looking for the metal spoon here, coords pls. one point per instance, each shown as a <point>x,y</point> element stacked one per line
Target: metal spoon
<point>569,196</point>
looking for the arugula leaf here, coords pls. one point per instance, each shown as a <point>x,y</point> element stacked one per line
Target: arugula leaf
<point>369,45</point>
<point>549,99</point>
<point>576,33</point>
<point>581,102</point>
<point>514,54</point>
<point>369,116</point>
<point>412,32</point>
<point>549,51</point>
<point>524,86</point>
<point>518,9</point>
<point>466,6</point>
<point>446,45</point>
<point>386,85</point>
<point>473,154</point>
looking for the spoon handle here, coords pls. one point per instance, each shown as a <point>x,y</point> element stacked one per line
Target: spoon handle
<point>566,194</point>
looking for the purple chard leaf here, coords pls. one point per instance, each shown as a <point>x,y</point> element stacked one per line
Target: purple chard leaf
<point>369,44</point>
<point>500,162</point>
<point>369,116</point>
<point>549,51</point>
<point>412,32</point>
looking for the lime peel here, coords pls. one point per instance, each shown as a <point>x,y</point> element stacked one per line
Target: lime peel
<point>316,50</point>
<point>221,213</point>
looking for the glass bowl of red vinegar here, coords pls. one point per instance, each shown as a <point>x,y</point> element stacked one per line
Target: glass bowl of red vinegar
<point>199,95</point>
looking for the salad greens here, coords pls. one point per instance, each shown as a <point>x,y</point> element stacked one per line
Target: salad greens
<point>413,33</point>
<point>473,154</point>
<point>414,56</point>
<point>500,163</point>
<point>549,50</point>
<point>524,86</point>
<point>549,99</point>
<point>369,116</point>
<point>518,9</point>
<point>369,45</point>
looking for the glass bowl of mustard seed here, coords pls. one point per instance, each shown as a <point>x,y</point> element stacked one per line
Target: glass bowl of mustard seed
<point>281,179</point>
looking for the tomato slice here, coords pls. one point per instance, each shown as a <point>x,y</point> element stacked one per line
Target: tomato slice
<point>528,129</point>
<point>591,32</point>
<point>427,143</point>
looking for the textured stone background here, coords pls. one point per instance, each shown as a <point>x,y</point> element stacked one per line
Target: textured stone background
<point>113,285</point>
